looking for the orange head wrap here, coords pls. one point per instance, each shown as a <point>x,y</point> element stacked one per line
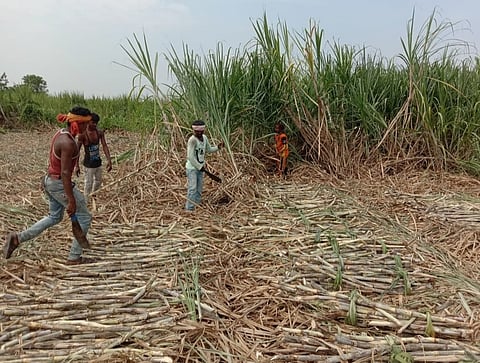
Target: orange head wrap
<point>73,120</point>
<point>71,117</point>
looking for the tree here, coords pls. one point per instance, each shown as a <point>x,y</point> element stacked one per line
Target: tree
<point>3,81</point>
<point>36,83</point>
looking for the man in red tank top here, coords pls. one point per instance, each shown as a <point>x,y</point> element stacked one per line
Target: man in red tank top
<point>59,189</point>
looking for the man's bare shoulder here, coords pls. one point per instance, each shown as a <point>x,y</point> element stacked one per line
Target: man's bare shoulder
<point>64,142</point>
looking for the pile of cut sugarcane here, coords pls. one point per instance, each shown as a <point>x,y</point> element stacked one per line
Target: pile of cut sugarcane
<point>299,270</point>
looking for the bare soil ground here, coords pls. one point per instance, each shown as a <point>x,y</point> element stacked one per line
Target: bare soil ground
<point>312,268</point>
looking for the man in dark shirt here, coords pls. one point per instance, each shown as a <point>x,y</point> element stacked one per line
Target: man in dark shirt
<point>90,140</point>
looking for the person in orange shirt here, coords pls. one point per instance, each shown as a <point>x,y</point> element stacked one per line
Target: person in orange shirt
<point>281,146</point>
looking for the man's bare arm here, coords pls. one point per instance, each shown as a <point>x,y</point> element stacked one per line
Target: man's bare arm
<point>106,150</point>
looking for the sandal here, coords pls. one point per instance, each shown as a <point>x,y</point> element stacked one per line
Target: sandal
<point>11,244</point>
<point>81,261</point>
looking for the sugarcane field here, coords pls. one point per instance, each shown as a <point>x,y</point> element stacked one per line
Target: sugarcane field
<point>293,198</point>
<point>382,267</point>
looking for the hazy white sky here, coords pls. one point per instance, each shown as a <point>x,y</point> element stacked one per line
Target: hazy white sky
<point>75,44</point>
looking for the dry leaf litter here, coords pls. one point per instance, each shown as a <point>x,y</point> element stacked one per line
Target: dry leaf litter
<point>307,269</point>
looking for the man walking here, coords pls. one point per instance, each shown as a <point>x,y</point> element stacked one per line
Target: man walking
<point>59,189</point>
<point>91,140</point>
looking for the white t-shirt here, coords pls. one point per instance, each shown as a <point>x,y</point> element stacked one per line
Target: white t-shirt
<point>196,151</point>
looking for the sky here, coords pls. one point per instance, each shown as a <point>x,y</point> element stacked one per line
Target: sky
<point>76,45</point>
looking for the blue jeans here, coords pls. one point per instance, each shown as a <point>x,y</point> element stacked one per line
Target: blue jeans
<point>194,189</point>
<point>58,202</point>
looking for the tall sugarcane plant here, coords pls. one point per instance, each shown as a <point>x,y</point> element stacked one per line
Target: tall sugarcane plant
<point>342,105</point>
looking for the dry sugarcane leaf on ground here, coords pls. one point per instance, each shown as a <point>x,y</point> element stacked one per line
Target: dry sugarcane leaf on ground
<point>312,268</point>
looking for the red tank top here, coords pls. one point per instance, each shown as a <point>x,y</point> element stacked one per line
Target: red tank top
<point>54,162</point>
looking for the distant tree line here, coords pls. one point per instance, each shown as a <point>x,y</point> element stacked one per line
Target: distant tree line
<point>35,83</point>
<point>23,102</point>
